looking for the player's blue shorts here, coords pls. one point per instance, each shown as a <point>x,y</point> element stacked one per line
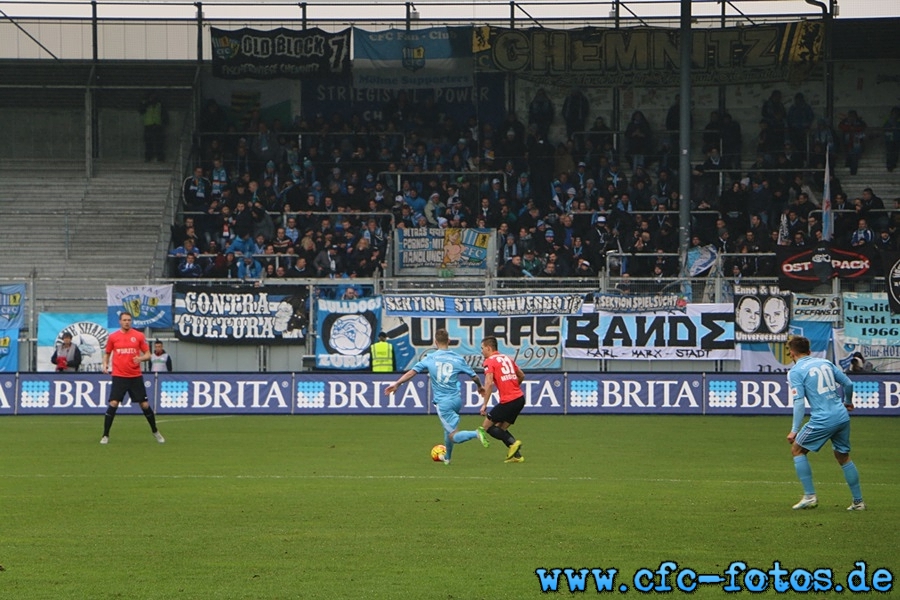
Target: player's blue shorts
<point>813,436</point>
<point>448,413</point>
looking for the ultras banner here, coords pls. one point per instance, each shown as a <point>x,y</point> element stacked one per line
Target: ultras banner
<point>241,314</point>
<point>704,331</point>
<point>253,54</point>
<point>646,56</point>
<point>148,305</point>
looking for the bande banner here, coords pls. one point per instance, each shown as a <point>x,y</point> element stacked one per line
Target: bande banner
<point>344,331</point>
<point>891,262</point>
<point>519,305</point>
<point>761,313</point>
<point>434,57</point>
<point>807,307</point>
<point>699,331</point>
<point>802,269</point>
<point>241,314</point>
<point>254,54</point>
<point>868,320</point>
<point>11,306</point>
<point>647,56</point>
<point>148,305</point>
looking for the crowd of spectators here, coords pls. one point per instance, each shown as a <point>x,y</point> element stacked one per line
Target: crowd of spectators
<point>319,197</point>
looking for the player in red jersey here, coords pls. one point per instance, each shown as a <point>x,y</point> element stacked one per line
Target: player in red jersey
<point>502,371</point>
<point>127,348</point>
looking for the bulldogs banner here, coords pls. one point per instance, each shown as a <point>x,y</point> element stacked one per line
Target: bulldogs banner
<point>9,350</point>
<point>704,331</point>
<point>241,314</point>
<point>89,332</point>
<point>801,270</point>
<point>421,305</point>
<point>451,251</point>
<point>345,330</point>
<point>868,320</point>
<point>761,313</point>
<point>148,305</point>
<point>253,54</point>
<point>12,315</point>
<point>435,57</point>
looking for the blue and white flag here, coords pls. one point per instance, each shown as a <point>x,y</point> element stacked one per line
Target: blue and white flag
<point>12,314</point>
<point>9,350</point>
<point>435,57</point>
<point>89,333</point>
<point>148,305</point>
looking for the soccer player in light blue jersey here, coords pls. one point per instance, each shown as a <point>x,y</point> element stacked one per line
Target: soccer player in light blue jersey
<point>444,368</point>
<point>816,380</point>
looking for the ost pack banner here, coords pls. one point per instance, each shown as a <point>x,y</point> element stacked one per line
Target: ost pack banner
<point>241,314</point>
<point>148,305</point>
<point>254,54</point>
<point>802,269</point>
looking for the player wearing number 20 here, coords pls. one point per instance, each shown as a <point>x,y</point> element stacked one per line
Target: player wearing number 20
<point>816,380</point>
<point>444,368</point>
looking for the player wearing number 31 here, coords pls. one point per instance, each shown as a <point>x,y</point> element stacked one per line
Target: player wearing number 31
<point>502,371</point>
<point>444,368</point>
<point>816,380</point>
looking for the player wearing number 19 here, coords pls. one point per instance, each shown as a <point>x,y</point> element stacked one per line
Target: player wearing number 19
<point>816,380</point>
<point>444,368</point>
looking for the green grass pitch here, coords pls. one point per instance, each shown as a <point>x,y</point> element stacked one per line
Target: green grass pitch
<point>324,507</point>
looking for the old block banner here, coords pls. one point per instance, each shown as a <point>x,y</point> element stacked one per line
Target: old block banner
<point>254,54</point>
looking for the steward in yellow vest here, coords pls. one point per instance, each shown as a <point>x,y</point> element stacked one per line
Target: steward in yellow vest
<point>382,354</point>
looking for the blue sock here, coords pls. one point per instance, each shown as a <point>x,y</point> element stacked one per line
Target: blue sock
<point>448,444</point>
<point>804,473</point>
<point>464,436</point>
<point>852,477</point>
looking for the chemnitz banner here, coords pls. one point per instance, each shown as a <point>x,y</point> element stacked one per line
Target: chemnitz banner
<point>761,313</point>
<point>254,54</point>
<point>519,305</point>
<point>148,305</point>
<point>241,314</point>
<point>698,331</point>
<point>646,56</point>
<point>345,329</point>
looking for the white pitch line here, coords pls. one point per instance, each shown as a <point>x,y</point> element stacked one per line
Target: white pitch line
<point>191,420</point>
<point>417,477</point>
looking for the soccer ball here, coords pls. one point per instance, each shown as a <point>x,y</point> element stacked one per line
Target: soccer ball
<point>438,453</point>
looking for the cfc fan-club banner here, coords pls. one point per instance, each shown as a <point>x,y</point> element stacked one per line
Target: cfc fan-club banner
<point>761,313</point>
<point>646,56</point>
<point>809,307</point>
<point>241,314</point>
<point>773,357</point>
<point>89,332</point>
<point>422,305</point>
<point>802,269</point>
<point>254,54</point>
<point>148,305</point>
<point>699,331</point>
<point>868,320</point>
<point>11,306</point>
<point>452,250</point>
<point>345,330</point>
<point>9,350</point>
<point>435,57</point>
